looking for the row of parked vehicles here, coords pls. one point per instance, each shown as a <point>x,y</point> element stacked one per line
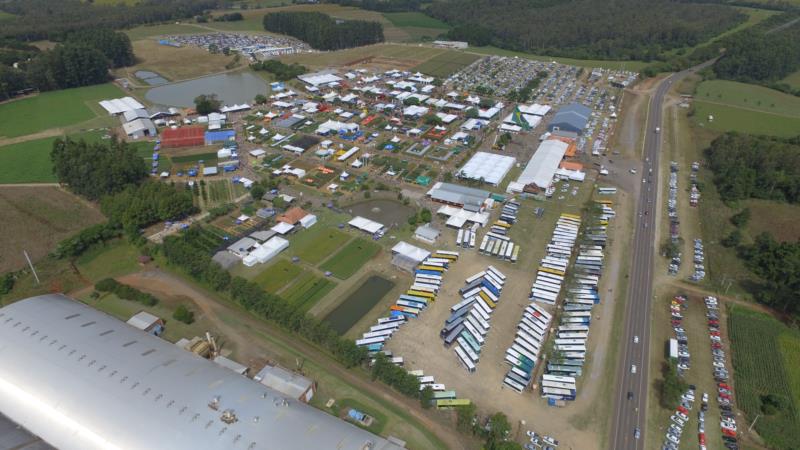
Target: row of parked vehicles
<point>724,390</point>
<point>699,261</point>
<point>677,306</point>
<point>678,420</point>
<point>540,442</point>
<point>672,208</point>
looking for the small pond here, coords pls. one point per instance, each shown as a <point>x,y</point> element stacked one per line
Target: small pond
<point>230,88</point>
<point>387,212</point>
<point>358,303</point>
<point>151,78</point>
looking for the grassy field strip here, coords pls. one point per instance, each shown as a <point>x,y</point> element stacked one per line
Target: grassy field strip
<point>748,96</point>
<point>731,118</point>
<point>277,276</point>
<point>307,290</point>
<point>446,64</point>
<point>316,244</point>
<point>350,258</point>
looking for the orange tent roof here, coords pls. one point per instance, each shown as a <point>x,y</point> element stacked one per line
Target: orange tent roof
<point>292,215</point>
<point>571,165</point>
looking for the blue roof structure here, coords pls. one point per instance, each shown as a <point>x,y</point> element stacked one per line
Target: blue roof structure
<point>572,117</point>
<point>220,136</point>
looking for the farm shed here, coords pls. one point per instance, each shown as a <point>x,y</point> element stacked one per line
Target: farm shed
<point>139,128</point>
<point>266,251</point>
<point>262,235</point>
<point>282,228</point>
<point>192,136</point>
<point>72,415</point>
<point>308,221</point>
<point>333,126</point>
<point>219,137</point>
<point>231,364</point>
<point>282,380</point>
<point>427,233</point>
<point>572,117</point>
<point>457,217</point>
<point>319,78</point>
<point>468,198</point>
<point>147,322</point>
<point>366,225</point>
<point>292,216</point>
<point>119,106</point>
<point>538,174</point>
<point>242,247</point>
<point>209,171</point>
<point>490,167</point>
<point>410,252</point>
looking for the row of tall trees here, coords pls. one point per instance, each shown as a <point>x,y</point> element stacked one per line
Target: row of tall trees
<point>384,5</point>
<point>759,56</point>
<point>623,29</point>
<point>281,71</point>
<point>323,32</point>
<point>778,266</point>
<point>747,166</point>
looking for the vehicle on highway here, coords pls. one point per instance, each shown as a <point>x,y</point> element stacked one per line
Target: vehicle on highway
<point>630,395</point>
<point>636,339</point>
<point>633,368</point>
<point>658,129</point>
<point>636,433</point>
<point>633,171</point>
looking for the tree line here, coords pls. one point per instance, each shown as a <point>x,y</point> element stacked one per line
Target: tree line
<point>82,58</point>
<point>384,5</point>
<point>778,266</point>
<point>747,166</point>
<point>586,29</point>
<point>323,32</point>
<point>281,71</point>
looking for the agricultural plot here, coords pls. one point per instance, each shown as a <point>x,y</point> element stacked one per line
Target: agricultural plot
<point>27,162</point>
<point>54,109</point>
<point>174,63</point>
<point>748,96</point>
<point>349,259</point>
<point>278,275</point>
<point>731,118</point>
<point>307,290</point>
<point>316,244</point>
<point>219,192</point>
<point>446,63</point>
<point>765,362</point>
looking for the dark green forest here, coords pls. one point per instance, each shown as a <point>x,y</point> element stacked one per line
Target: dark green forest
<point>759,56</point>
<point>323,32</point>
<point>588,29</point>
<point>747,166</point>
<point>384,5</point>
<point>281,71</point>
<point>778,266</point>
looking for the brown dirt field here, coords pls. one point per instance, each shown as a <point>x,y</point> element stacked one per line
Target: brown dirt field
<point>36,219</point>
<point>173,63</point>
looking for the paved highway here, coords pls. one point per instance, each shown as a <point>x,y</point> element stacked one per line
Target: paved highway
<point>630,406</point>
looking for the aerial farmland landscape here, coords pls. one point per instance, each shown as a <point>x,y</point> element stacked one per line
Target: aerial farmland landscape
<point>399,224</point>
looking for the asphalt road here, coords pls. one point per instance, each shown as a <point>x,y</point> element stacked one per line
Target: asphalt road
<point>630,406</point>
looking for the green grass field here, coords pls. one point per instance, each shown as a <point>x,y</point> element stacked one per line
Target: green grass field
<point>404,54</point>
<point>748,96</point>
<point>616,65</point>
<point>278,275</point>
<point>446,64</point>
<point>414,19</point>
<point>731,118</point>
<point>316,244</point>
<point>54,109</point>
<point>6,16</point>
<point>778,218</point>
<point>307,290</point>
<point>110,260</point>
<point>766,362</point>
<point>793,80</point>
<point>349,259</point>
<point>210,157</point>
<point>147,31</point>
<point>27,162</point>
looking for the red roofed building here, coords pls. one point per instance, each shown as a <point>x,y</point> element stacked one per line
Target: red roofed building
<point>183,137</point>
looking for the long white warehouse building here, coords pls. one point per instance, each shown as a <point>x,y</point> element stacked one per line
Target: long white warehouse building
<point>83,380</point>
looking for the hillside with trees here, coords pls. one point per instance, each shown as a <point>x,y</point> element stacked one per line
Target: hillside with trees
<point>778,265</point>
<point>587,29</point>
<point>323,32</point>
<point>747,166</point>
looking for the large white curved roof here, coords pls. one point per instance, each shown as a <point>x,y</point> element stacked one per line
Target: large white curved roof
<point>82,380</point>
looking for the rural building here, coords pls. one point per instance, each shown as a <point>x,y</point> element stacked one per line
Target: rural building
<point>261,253</point>
<point>333,127</point>
<point>572,117</point>
<point>134,114</point>
<point>292,384</point>
<point>366,225</point>
<point>456,45</point>
<point>319,78</point>
<point>457,217</point>
<point>538,174</point>
<point>219,137</point>
<point>468,198</point>
<point>263,235</point>
<point>209,171</point>
<point>118,106</point>
<point>489,167</point>
<point>147,322</point>
<point>427,233</point>
<point>191,136</point>
<point>406,256</point>
<point>292,216</point>
<point>139,128</point>
<point>128,389</point>
<point>231,365</point>
<point>570,170</point>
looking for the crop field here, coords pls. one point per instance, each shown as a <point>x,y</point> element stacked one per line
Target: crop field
<point>219,191</point>
<point>349,259</point>
<point>447,63</point>
<point>316,244</point>
<point>765,363</point>
<point>36,219</point>
<point>278,275</point>
<point>748,96</point>
<point>731,118</point>
<point>307,290</point>
<point>27,162</point>
<point>208,157</point>
<point>54,109</point>
<point>109,260</point>
<point>415,19</point>
<point>174,63</point>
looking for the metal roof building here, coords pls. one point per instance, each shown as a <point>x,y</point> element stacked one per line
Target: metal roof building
<point>572,117</point>
<point>83,380</point>
<point>540,170</point>
<point>468,198</point>
<point>490,167</point>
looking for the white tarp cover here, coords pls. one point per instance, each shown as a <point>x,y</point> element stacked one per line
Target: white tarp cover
<point>364,224</point>
<point>489,166</point>
<point>543,164</point>
<point>411,251</point>
<point>120,105</point>
<point>282,228</point>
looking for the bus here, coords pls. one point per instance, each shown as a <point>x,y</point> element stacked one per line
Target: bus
<point>515,255</point>
<point>441,395</point>
<point>428,379</point>
<point>513,385</point>
<point>465,362</point>
<point>373,340</point>
<point>453,334</point>
<point>496,273</point>
<point>476,309</point>
<point>485,241</point>
<point>455,402</point>
<point>468,347</point>
<point>443,254</point>
<point>406,309</point>
<point>462,304</point>
<point>552,271</point>
<point>459,237</point>
<point>431,268</point>
<point>415,298</point>
<point>409,304</point>
<point>424,288</point>
<point>388,320</point>
<point>427,295</point>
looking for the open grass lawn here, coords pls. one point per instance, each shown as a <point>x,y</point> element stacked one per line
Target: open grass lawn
<point>174,63</point>
<point>341,408</point>
<point>731,118</point>
<point>415,19</point>
<point>316,244</point>
<point>307,290</point>
<point>749,96</point>
<point>278,275</point>
<point>445,64</point>
<point>27,162</point>
<point>208,157</point>
<point>110,260</point>
<point>616,65</point>
<point>146,31</point>
<point>36,219</point>
<point>766,361</point>
<point>406,56</point>
<point>780,219</point>
<point>349,259</point>
<point>54,109</point>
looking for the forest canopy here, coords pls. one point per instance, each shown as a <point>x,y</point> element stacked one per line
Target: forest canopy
<point>589,29</point>
<point>323,32</point>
